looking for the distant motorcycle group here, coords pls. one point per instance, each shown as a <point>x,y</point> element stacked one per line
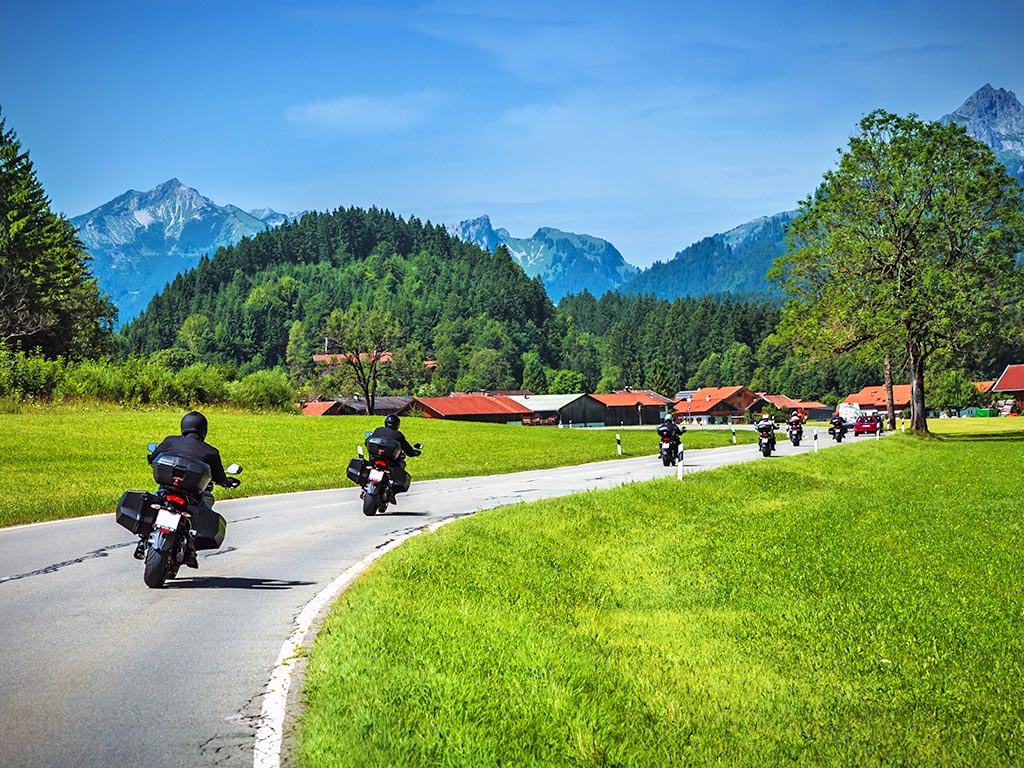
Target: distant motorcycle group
<point>177,520</point>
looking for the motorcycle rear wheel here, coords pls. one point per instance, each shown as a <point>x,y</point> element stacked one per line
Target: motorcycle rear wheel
<point>156,568</point>
<point>369,504</point>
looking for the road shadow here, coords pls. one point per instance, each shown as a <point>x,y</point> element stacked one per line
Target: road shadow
<point>403,513</point>
<point>233,582</point>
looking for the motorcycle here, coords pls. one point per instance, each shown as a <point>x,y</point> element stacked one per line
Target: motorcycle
<point>168,521</point>
<point>837,431</point>
<point>766,441</point>
<point>375,474</point>
<point>669,452</point>
<point>669,449</point>
<point>796,433</point>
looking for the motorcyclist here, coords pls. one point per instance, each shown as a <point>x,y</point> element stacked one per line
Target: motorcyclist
<point>400,478</point>
<point>796,421</point>
<point>191,444</point>
<point>767,424</point>
<point>838,423</point>
<point>670,429</point>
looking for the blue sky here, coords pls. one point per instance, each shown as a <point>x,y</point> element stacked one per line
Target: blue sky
<point>650,124</point>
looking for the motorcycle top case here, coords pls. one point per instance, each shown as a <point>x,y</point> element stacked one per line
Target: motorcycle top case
<point>358,471</point>
<point>135,511</point>
<point>190,475</point>
<point>208,528</point>
<point>384,448</point>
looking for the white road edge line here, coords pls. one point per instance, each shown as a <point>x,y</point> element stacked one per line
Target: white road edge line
<point>270,731</point>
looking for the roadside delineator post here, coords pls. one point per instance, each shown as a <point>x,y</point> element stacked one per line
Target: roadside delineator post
<point>815,440</point>
<point>734,435</point>
<point>679,465</point>
<point>618,443</point>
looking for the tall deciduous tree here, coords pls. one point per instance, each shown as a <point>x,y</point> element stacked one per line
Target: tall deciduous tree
<point>363,341</point>
<point>909,243</point>
<point>49,300</point>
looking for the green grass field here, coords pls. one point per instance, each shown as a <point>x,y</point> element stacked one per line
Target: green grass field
<point>63,462</point>
<point>860,606</point>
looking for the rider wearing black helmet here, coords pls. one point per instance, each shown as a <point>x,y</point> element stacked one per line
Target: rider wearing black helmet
<point>191,444</point>
<point>391,432</point>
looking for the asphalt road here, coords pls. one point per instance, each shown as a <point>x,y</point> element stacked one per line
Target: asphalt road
<point>98,670</point>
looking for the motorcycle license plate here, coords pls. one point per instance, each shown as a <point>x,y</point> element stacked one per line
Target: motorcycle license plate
<point>376,475</point>
<point>167,520</point>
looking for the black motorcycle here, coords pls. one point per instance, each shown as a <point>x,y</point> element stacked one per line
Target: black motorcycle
<point>766,440</point>
<point>173,517</point>
<point>838,431</point>
<point>376,473</point>
<point>796,433</point>
<point>668,451</point>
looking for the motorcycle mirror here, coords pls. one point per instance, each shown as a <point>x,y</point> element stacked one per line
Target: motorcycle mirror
<point>418,446</point>
<point>359,450</point>
<point>368,434</point>
<point>233,469</point>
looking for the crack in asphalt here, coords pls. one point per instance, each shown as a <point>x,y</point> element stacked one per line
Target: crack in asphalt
<point>101,552</point>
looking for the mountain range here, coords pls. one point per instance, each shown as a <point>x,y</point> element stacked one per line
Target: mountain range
<point>141,240</point>
<point>566,262</point>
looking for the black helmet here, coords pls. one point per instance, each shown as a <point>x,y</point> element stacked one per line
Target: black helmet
<point>194,422</point>
<point>391,421</point>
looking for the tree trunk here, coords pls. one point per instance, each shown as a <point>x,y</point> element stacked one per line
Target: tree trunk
<point>918,415</point>
<point>890,407</point>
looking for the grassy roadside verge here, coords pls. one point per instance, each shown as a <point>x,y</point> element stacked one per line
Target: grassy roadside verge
<point>861,606</point>
<point>67,462</point>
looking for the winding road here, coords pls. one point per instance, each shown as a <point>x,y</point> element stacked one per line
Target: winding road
<point>98,670</point>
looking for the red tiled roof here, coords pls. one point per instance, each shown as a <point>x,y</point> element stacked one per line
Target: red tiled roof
<point>706,399</point>
<point>780,401</point>
<point>807,404</point>
<point>649,392</point>
<point>473,405</point>
<point>874,397</point>
<point>1012,379</point>
<point>984,386</point>
<point>631,399</point>
<point>384,357</point>
<point>317,408</point>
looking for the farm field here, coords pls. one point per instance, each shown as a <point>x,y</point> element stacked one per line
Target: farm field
<point>860,606</point>
<point>71,461</point>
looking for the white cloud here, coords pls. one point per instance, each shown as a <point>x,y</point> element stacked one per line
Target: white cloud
<point>360,114</point>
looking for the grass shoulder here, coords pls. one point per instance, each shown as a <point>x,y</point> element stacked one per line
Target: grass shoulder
<point>859,606</point>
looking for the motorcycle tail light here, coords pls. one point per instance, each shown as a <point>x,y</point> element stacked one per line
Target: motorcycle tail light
<point>175,499</point>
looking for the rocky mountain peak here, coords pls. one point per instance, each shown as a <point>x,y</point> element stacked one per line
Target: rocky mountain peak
<point>994,116</point>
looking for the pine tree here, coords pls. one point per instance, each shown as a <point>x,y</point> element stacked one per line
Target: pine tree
<point>49,300</point>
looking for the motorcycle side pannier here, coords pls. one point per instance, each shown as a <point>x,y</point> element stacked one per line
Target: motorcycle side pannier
<point>208,527</point>
<point>134,512</point>
<point>190,475</point>
<point>358,471</point>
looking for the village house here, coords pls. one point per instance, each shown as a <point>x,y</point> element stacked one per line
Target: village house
<point>630,409</point>
<point>577,410</point>
<point>1011,386</point>
<point>493,409</point>
<point>873,398</point>
<point>718,405</point>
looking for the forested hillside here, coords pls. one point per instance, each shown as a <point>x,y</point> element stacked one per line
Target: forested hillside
<point>265,302</point>
<point>476,312</point>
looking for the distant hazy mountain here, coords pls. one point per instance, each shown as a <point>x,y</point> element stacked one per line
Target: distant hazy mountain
<point>731,262</point>
<point>995,117</point>
<point>566,262</point>
<point>737,260</point>
<point>141,240</point>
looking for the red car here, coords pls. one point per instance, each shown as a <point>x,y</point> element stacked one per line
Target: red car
<point>868,425</point>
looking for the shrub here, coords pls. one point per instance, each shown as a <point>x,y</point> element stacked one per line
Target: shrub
<point>263,389</point>
<point>201,383</point>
